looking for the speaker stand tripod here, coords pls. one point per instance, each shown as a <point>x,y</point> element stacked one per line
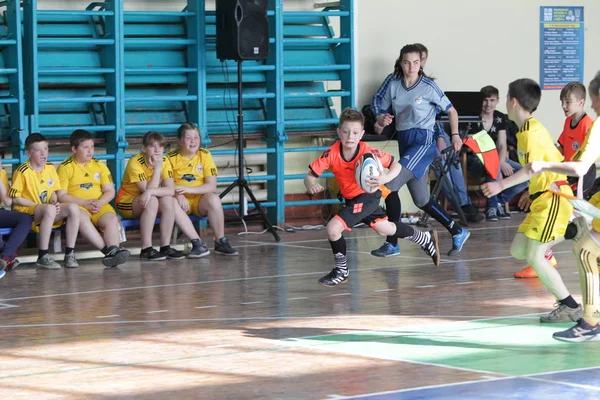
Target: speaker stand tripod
<point>241,183</point>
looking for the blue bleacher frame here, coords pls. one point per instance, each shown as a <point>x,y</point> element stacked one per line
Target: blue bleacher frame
<point>283,95</point>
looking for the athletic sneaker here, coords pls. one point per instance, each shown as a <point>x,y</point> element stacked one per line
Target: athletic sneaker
<point>386,250</point>
<point>529,272</point>
<point>502,214</point>
<point>335,277</point>
<point>458,241</point>
<point>46,262</point>
<point>582,332</point>
<point>472,214</point>
<point>115,256</point>
<point>199,250</point>
<point>431,248</point>
<point>152,254</point>
<point>491,214</point>
<point>71,261</point>
<point>222,246</point>
<point>2,273</point>
<point>173,254</point>
<point>9,263</point>
<point>563,313</point>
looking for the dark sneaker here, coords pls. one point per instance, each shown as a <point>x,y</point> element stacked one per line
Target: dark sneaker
<point>46,262</point>
<point>152,255</point>
<point>199,250</point>
<point>222,246</point>
<point>582,332</point>
<point>115,256</point>
<point>458,241</point>
<point>335,277</point>
<point>173,254</point>
<point>502,214</point>
<point>491,214</point>
<point>472,214</point>
<point>432,248</point>
<point>386,250</point>
<point>71,261</point>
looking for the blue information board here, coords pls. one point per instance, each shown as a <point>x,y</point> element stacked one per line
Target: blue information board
<point>561,46</point>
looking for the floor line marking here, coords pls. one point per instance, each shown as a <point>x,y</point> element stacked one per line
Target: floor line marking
<point>297,298</point>
<point>156,311</point>
<point>219,346</point>
<point>340,294</point>
<point>424,286</point>
<point>464,283</point>
<point>384,290</point>
<point>108,316</point>
<point>206,307</point>
<point>505,279</point>
<point>251,302</point>
<point>4,305</point>
<point>575,385</point>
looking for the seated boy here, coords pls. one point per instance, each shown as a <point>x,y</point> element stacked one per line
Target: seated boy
<point>87,182</point>
<point>360,206</point>
<point>146,191</point>
<point>20,224</point>
<point>195,177</point>
<point>546,223</point>
<point>33,190</point>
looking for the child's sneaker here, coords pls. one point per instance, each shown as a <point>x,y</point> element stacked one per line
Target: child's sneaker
<point>582,332</point>
<point>563,313</point>
<point>458,241</point>
<point>2,273</point>
<point>71,261</point>
<point>115,256</point>
<point>491,214</point>
<point>9,263</point>
<point>386,250</point>
<point>335,277</point>
<point>172,254</point>
<point>432,248</point>
<point>502,214</point>
<point>199,250</point>
<point>152,254</point>
<point>222,246</point>
<point>46,262</point>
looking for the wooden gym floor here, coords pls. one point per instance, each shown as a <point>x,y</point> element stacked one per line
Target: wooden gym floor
<point>258,326</point>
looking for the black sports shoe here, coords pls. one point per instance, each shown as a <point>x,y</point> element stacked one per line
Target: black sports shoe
<point>432,248</point>
<point>199,250</point>
<point>152,255</point>
<point>335,277</point>
<point>115,256</point>
<point>173,254</point>
<point>222,246</point>
<point>472,214</point>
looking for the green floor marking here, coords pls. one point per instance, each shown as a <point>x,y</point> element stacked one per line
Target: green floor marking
<point>512,346</point>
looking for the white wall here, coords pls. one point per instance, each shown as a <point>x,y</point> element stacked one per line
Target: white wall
<point>472,43</point>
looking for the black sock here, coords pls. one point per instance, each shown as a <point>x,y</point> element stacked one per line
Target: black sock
<point>42,253</point>
<point>571,231</point>
<point>569,301</point>
<point>393,209</point>
<point>104,250</point>
<point>69,250</point>
<point>339,252</point>
<point>440,215</point>
<point>403,231</point>
<point>164,248</point>
<point>147,249</point>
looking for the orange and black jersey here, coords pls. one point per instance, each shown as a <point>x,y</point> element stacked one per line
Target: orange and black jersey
<point>333,159</point>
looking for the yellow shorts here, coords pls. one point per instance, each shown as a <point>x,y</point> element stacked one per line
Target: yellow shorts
<point>106,209</point>
<point>548,217</point>
<point>193,201</point>
<point>595,201</point>
<point>35,226</point>
<point>125,206</point>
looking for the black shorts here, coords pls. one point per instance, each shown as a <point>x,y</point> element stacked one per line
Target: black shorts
<point>363,208</point>
<point>588,181</point>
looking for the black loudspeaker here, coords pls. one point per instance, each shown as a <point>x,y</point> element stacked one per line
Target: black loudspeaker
<point>242,30</point>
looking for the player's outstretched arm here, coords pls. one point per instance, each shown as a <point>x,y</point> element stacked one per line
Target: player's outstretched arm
<point>524,174</point>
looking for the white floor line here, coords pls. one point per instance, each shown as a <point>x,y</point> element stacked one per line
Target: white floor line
<point>424,286</point>
<point>219,346</point>
<point>558,382</point>
<point>463,283</point>
<point>340,294</point>
<point>108,316</point>
<point>156,312</point>
<point>4,305</point>
<point>297,298</point>
<point>206,307</point>
<point>384,290</point>
<point>251,302</point>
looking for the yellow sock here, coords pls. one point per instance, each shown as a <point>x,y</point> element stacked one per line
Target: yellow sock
<point>586,252</point>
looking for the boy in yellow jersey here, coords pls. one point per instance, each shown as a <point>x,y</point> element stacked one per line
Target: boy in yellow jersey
<point>549,215</point>
<point>87,182</point>
<point>20,223</point>
<point>195,176</point>
<point>587,247</point>
<point>146,191</point>
<point>33,190</point>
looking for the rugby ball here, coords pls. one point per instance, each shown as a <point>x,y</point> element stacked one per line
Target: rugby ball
<point>366,166</point>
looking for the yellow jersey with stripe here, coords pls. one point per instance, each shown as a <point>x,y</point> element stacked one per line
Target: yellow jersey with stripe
<point>193,171</point>
<point>534,143</point>
<point>137,170</point>
<point>591,144</point>
<point>37,187</point>
<point>83,181</point>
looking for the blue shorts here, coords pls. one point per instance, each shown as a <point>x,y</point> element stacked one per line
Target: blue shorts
<point>417,150</point>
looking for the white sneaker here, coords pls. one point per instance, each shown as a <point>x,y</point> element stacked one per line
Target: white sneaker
<point>71,261</point>
<point>46,262</point>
